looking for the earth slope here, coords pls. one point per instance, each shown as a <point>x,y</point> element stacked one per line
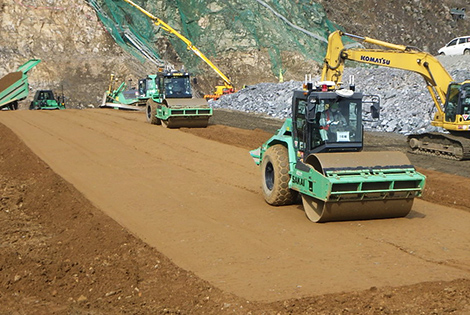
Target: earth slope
<point>197,201</point>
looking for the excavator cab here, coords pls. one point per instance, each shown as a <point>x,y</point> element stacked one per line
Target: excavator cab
<point>148,86</point>
<point>457,106</point>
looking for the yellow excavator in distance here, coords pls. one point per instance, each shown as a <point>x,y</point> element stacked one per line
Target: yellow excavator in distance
<point>227,88</point>
<point>451,99</point>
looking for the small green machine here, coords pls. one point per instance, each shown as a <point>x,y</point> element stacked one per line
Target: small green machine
<point>45,100</point>
<point>126,97</point>
<point>14,87</point>
<point>320,158</point>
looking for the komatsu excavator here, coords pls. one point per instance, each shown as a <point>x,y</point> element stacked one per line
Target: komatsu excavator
<point>451,99</point>
<point>318,154</point>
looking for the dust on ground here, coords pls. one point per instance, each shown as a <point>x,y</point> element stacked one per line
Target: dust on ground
<point>60,255</point>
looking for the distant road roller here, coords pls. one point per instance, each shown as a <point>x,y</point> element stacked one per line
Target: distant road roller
<point>318,154</point>
<point>170,101</point>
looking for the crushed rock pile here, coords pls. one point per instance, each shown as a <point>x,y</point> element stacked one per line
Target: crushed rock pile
<point>406,106</point>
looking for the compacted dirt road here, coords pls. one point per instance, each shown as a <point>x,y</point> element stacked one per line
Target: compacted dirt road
<point>194,195</point>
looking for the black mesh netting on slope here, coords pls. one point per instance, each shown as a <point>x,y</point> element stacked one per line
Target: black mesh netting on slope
<point>217,28</point>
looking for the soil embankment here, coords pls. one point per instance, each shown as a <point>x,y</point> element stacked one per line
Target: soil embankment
<point>197,201</point>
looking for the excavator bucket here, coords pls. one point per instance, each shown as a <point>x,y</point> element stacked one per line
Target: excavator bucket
<point>358,186</point>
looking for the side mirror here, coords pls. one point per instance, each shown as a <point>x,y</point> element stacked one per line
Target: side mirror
<point>374,100</point>
<point>375,110</point>
<point>194,80</point>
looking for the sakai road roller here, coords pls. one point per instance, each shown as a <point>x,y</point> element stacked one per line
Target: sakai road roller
<point>171,102</point>
<point>318,154</point>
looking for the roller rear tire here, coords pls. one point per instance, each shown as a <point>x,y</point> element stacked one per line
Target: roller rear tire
<point>151,112</point>
<point>275,177</point>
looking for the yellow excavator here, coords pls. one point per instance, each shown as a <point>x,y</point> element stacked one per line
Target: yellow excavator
<point>451,99</point>
<point>227,88</point>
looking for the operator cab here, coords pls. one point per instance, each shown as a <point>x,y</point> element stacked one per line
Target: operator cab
<point>167,84</point>
<point>328,121</point>
<point>176,85</point>
<point>457,107</point>
<point>148,86</point>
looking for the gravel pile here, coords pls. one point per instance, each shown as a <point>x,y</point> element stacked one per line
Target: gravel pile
<point>406,105</point>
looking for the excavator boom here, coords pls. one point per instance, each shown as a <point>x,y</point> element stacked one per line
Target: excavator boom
<point>158,22</point>
<point>395,56</point>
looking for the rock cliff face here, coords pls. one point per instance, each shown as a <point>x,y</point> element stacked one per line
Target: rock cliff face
<point>427,25</point>
<point>76,52</point>
<point>250,41</point>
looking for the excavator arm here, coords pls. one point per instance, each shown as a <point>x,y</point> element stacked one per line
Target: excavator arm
<point>158,22</point>
<point>395,56</point>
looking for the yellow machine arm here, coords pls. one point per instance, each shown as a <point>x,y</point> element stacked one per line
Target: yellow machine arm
<point>396,56</point>
<point>197,52</point>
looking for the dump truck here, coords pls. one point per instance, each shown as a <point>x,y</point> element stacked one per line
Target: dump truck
<point>45,100</point>
<point>318,154</point>
<point>171,102</point>
<point>14,86</point>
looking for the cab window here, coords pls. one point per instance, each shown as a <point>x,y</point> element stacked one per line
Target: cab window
<point>452,43</point>
<point>301,124</point>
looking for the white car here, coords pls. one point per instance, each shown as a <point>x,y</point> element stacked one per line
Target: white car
<point>457,46</point>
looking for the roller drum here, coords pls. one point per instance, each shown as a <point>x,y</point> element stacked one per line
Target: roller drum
<point>191,120</point>
<point>381,185</point>
<point>186,122</point>
<point>321,211</point>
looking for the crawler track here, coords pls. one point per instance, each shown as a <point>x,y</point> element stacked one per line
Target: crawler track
<point>447,146</point>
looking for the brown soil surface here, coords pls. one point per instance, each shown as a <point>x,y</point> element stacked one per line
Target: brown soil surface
<point>104,214</point>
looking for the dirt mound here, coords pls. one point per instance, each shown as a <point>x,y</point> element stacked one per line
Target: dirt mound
<point>60,254</point>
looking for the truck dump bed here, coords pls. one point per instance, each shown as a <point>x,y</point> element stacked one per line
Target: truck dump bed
<point>14,86</point>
